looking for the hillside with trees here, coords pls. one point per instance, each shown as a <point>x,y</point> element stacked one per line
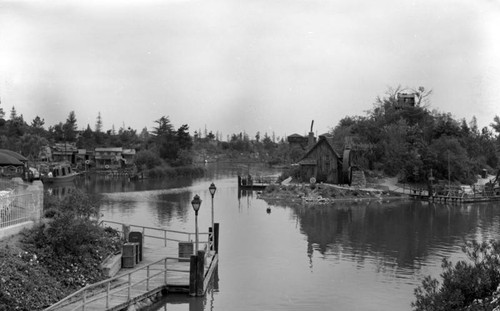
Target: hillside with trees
<point>413,141</point>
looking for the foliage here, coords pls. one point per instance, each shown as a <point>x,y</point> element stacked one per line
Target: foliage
<point>409,141</point>
<point>57,257</point>
<point>146,159</point>
<point>467,285</point>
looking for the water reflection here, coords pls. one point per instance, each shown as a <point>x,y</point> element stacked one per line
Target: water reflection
<point>173,206</point>
<point>395,233</point>
<point>60,190</point>
<point>275,257</point>
<point>105,184</point>
<point>172,301</point>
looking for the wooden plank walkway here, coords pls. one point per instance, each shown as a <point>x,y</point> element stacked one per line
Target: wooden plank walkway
<point>177,280</point>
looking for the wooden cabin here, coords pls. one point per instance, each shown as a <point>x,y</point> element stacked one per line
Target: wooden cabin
<point>108,158</point>
<point>321,162</point>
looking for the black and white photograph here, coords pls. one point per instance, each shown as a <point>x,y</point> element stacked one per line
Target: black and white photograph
<point>214,155</point>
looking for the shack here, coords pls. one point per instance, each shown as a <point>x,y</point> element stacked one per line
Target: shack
<point>322,162</point>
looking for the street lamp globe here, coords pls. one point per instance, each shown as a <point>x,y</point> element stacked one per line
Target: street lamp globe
<point>196,203</point>
<point>212,189</point>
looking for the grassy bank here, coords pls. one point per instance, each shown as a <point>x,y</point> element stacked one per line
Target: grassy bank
<point>57,257</point>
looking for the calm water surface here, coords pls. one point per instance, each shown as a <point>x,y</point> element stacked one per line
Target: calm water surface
<point>348,256</point>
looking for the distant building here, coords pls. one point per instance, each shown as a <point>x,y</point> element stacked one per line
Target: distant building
<point>297,140</point>
<point>405,100</point>
<point>109,158</point>
<point>322,162</point>
<point>128,156</point>
<point>63,152</point>
<point>84,158</point>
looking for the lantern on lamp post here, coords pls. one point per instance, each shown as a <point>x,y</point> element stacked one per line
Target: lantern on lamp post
<point>196,203</point>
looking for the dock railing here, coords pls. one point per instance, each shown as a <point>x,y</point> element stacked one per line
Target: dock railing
<point>101,292</point>
<point>94,293</point>
<point>160,233</point>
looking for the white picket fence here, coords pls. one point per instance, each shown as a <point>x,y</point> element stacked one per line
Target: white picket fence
<point>16,208</point>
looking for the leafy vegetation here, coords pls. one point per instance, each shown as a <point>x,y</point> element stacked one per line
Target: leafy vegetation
<point>407,141</point>
<point>410,141</point>
<point>467,285</point>
<point>57,257</point>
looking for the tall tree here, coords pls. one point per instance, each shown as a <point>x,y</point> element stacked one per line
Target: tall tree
<point>183,138</point>
<point>165,139</point>
<point>13,114</point>
<point>98,123</point>
<point>70,127</point>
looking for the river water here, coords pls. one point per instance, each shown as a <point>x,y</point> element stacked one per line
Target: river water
<point>344,256</point>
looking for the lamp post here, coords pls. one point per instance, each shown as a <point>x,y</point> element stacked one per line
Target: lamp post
<point>196,203</point>
<point>212,190</point>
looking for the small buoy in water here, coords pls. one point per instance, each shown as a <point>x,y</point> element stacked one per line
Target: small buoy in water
<point>268,210</point>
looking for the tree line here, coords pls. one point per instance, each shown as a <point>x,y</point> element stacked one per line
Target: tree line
<point>410,141</point>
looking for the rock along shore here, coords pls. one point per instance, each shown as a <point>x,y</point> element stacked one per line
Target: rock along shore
<point>325,194</point>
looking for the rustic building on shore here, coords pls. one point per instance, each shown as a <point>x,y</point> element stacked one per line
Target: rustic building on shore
<point>321,162</point>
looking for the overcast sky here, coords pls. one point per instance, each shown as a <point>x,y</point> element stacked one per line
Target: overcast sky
<point>244,65</point>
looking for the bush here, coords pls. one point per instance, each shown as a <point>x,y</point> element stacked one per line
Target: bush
<point>148,159</point>
<point>56,257</point>
<point>467,285</point>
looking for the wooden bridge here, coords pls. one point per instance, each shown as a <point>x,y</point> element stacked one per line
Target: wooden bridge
<point>163,269</point>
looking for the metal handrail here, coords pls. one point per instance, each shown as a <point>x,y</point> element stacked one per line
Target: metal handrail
<point>117,288</point>
<point>165,231</point>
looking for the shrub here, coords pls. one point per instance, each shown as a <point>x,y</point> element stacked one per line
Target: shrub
<point>56,257</point>
<point>467,285</point>
<point>148,159</point>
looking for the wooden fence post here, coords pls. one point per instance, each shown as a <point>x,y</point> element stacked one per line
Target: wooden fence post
<point>216,238</point>
<point>200,273</point>
<point>192,275</point>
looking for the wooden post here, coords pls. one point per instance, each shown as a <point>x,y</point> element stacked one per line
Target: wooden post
<point>211,238</point>
<point>200,273</point>
<point>126,231</point>
<point>216,238</point>
<point>192,275</point>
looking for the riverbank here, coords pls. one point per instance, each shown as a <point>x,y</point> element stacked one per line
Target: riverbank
<point>295,193</point>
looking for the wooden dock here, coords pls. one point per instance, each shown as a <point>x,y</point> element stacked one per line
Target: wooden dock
<point>452,197</point>
<point>160,271</point>
<point>255,183</point>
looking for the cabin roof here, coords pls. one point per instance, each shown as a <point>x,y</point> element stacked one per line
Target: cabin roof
<point>322,140</point>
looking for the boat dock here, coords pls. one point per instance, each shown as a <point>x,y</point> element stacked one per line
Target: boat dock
<point>453,196</point>
<point>255,183</point>
<point>163,262</point>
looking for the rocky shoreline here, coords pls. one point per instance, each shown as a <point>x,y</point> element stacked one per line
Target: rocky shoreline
<point>314,194</point>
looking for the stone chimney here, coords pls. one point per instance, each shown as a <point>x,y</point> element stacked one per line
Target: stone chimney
<point>311,140</point>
